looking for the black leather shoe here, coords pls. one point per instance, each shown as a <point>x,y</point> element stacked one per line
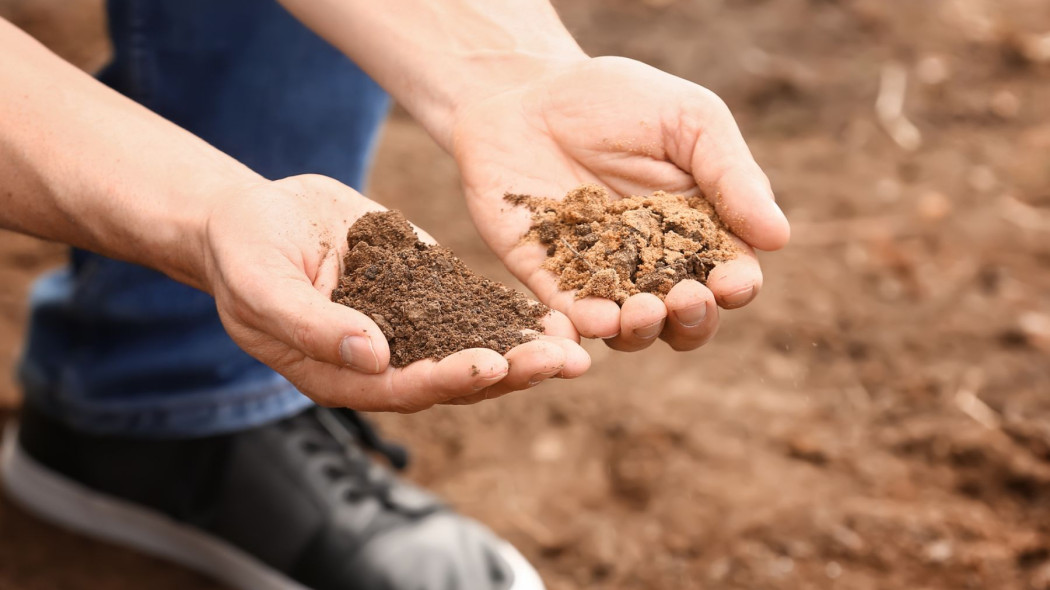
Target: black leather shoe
<point>295,505</point>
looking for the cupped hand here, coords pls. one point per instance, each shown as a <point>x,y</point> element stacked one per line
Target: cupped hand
<point>635,130</point>
<point>273,253</point>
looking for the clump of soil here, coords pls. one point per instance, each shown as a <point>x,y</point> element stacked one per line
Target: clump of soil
<point>425,300</point>
<point>639,244</point>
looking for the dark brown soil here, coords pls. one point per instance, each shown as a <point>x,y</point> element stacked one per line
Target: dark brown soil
<point>618,248</point>
<point>425,300</point>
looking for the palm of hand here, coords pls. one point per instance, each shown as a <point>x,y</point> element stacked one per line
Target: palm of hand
<point>274,253</point>
<point>634,130</point>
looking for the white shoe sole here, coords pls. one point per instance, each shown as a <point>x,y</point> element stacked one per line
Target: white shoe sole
<point>70,505</point>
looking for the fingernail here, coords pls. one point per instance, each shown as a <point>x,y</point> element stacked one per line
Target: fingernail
<point>690,317</point>
<point>649,332</point>
<point>738,298</point>
<point>357,353</point>
<point>541,377</point>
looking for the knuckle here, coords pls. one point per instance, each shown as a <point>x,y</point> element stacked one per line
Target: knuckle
<point>304,335</point>
<point>405,397</point>
<point>408,406</point>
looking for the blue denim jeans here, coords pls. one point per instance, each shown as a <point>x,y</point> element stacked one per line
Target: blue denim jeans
<point>115,348</point>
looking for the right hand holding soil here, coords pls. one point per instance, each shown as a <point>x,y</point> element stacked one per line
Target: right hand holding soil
<point>273,255</point>
<point>631,129</point>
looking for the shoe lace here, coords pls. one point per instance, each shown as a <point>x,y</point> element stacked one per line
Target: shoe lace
<point>394,453</point>
<point>349,439</point>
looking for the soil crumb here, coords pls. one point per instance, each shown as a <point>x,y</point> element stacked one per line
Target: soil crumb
<point>639,244</point>
<point>425,300</point>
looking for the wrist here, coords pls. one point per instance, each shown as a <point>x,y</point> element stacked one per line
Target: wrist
<point>479,78</point>
<point>437,58</point>
<point>184,248</point>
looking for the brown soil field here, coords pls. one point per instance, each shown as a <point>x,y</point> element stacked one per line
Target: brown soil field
<point>878,418</point>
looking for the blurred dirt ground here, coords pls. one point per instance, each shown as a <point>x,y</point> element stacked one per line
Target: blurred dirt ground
<point>878,418</point>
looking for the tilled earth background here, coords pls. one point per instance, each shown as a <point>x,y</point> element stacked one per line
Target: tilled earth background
<point>878,418</point>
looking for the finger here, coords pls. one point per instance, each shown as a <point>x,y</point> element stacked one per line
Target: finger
<point>530,364</point>
<point>558,329</point>
<point>736,282</point>
<point>295,313</point>
<point>326,278</point>
<point>462,373</point>
<point>692,316</point>
<point>470,399</point>
<point>595,317</point>
<point>577,361</point>
<point>416,387</point>
<point>558,324</point>
<point>725,170</point>
<point>592,317</point>
<point>641,321</point>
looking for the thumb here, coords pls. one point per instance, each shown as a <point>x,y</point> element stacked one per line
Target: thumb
<point>298,315</point>
<point>724,169</point>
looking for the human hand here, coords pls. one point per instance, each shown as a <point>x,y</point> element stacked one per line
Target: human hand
<point>273,254</point>
<point>634,129</point>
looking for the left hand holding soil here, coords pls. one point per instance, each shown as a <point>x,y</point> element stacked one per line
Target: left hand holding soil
<point>273,253</point>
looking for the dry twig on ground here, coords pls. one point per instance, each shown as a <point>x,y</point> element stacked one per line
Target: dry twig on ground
<point>889,107</point>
